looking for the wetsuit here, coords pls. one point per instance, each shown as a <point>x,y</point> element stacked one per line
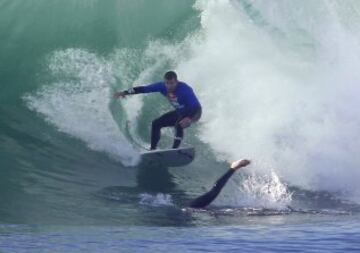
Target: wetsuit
<point>207,198</point>
<point>182,99</point>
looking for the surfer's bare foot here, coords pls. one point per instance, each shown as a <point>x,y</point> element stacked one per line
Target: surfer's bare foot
<point>239,164</point>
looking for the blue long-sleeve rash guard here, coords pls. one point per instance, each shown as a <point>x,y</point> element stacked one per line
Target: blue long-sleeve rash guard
<point>183,99</point>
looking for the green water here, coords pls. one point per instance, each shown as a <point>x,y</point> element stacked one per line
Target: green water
<point>278,83</point>
<point>262,76</point>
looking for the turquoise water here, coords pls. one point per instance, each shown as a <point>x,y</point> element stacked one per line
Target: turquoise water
<point>278,84</point>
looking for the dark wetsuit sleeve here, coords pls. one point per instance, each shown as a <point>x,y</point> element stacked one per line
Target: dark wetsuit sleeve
<point>154,87</point>
<point>207,198</point>
<point>135,90</point>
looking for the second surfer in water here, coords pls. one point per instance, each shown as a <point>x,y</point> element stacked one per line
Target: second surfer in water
<point>182,98</point>
<point>205,199</point>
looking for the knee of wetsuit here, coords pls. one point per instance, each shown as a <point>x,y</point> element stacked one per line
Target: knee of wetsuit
<point>155,123</point>
<point>177,126</point>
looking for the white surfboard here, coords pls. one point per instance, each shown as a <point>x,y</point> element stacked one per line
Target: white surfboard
<point>168,157</point>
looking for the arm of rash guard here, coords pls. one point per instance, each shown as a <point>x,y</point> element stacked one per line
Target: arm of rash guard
<point>135,90</point>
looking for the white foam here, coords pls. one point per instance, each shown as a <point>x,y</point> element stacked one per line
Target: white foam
<point>264,191</point>
<point>158,199</point>
<point>78,103</point>
<point>292,108</point>
<point>256,191</point>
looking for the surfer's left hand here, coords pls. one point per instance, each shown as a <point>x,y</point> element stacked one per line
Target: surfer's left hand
<point>185,122</point>
<point>120,94</point>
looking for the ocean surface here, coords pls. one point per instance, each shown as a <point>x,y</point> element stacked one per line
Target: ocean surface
<point>278,82</point>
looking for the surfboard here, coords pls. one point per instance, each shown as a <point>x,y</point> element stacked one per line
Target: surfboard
<point>168,157</point>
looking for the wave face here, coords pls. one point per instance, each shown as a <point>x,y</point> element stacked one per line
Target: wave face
<point>278,84</point>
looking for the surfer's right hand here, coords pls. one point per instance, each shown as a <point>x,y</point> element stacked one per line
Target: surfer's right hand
<point>118,94</point>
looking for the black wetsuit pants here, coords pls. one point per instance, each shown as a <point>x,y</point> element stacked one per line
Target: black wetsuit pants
<point>168,119</point>
<point>207,198</point>
<point>172,119</point>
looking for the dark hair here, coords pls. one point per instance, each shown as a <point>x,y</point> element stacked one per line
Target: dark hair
<point>170,75</point>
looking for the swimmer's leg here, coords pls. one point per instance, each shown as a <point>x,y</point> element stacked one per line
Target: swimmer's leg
<point>207,198</point>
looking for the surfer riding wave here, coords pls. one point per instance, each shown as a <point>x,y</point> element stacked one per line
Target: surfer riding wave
<point>181,96</point>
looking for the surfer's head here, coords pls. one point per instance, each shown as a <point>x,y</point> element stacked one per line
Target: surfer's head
<point>170,79</point>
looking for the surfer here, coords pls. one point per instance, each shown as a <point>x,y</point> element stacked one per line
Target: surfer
<point>207,198</point>
<point>181,96</point>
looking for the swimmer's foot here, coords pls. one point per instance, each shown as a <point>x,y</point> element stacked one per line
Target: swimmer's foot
<point>239,164</point>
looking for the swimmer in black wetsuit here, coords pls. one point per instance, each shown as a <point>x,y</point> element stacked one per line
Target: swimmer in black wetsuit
<point>207,198</point>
